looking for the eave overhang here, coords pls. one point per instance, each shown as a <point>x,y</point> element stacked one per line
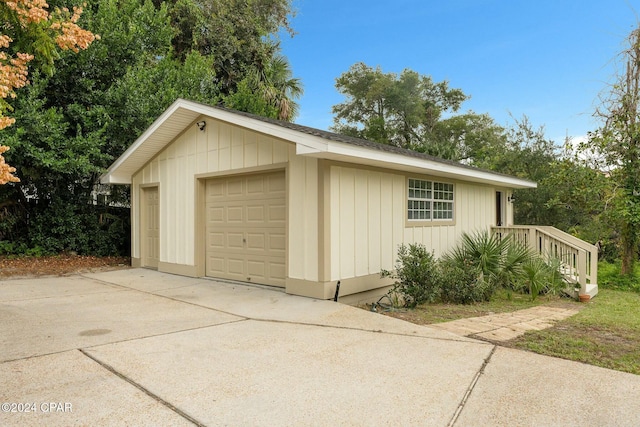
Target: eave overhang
<point>309,142</point>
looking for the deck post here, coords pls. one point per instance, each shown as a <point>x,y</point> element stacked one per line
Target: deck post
<point>582,270</point>
<point>533,239</point>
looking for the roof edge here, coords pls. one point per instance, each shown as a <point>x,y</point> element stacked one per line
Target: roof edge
<point>312,142</point>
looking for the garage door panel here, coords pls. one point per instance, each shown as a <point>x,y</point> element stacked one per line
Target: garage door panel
<point>277,214</point>
<point>235,241</point>
<point>255,214</point>
<point>276,243</point>
<point>256,241</point>
<point>275,184</point>
<point>236,266</point>
<point>216,265</point>
<point>215,190</point>
<point>256,270</point>
<point>235,214</point>
<point>255,185</point>
<point>216,214</point>
<point>246,228</point>
<point>235,187</point>
<point>216,240</point>
<point>277,271</point>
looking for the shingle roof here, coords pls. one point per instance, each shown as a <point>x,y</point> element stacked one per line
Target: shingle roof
<point>356,141</point>
<point>183,112</point>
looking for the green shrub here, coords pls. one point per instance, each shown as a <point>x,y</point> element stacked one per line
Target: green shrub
<point>472,271</point>
<point>483,250</point>
<point>416,275</point>
<point>7,247</point>
<point>609,277</point>
<point>511,272</point>
<point>21,249</point>
<point>91,230</point>
<point>463,284</point>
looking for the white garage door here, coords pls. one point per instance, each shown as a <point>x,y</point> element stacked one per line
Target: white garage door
<point>246,222</point>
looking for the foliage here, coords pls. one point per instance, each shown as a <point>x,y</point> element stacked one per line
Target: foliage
<point>34,32</point>
<point>617,143</point>
<point>541,277</point>
<point>236,33</point>
<point>242,39</point>
<point>11,248</point>
<point>392,109</point>
<point>472,271</point>
<point>410,110</point>
<point>506,263</point>
<point>481,250</point>
<point>74,123</point>
<point>463,284</point>
<point>277,89</point>
<point>470,138</point>
<point>6,171</point>
<point>416,275</point>
<point>609,277</point>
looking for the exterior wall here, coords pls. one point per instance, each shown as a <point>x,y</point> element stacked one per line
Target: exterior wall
<point>368,220</point>
<point>344,222</point>
<point>221,149</point>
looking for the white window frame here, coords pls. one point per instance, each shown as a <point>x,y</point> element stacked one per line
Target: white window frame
<point>430,201</point>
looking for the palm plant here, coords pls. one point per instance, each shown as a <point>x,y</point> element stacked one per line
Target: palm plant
<point>482,249</point>
<point>279,88</point>
<point>511,269</point>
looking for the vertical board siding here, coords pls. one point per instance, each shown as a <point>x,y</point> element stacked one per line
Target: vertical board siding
<point>135,217</point>
<point>221,147</point>
<point>303,219</point>
<point>361,229</point>
<point>367,221</point>
<point>347,218</point>
<point>374,224</point>
<point>308,241</point>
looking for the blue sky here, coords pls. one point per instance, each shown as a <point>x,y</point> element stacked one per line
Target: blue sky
<point>546,59</point>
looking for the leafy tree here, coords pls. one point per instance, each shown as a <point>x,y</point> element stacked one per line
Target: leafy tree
<point>411,111</point>
<point>470,138</point>
<point>6,171</point>
<point>238,34</point>
<point>401,110</point>
<point>98,101</point>
<point>34,32</point>
<point>618,141</point>
<point>275,88</point>
<point>74,123</point>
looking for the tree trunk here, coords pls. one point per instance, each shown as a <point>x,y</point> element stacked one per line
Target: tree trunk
<point>629,243</point>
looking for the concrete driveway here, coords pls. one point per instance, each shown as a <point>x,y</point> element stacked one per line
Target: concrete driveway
<point>137,347</point>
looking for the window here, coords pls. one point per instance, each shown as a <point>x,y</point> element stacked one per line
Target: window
<point>429,201</point>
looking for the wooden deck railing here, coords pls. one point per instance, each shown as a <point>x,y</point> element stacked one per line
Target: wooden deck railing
<point>579,259</point>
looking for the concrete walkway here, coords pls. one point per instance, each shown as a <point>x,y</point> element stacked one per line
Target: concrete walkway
<point>506,326</point>
<point>141,348</point>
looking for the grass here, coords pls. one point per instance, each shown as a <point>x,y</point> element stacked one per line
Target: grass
<point>502,302</point>
<point>605,333</point>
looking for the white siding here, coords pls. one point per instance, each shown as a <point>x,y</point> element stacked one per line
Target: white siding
<point>367,221</point>
<point>303,219</point>
<point>223,147</point>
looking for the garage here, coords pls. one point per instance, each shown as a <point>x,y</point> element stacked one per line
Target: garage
<point>247,198</point>
<point>246,228</point>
